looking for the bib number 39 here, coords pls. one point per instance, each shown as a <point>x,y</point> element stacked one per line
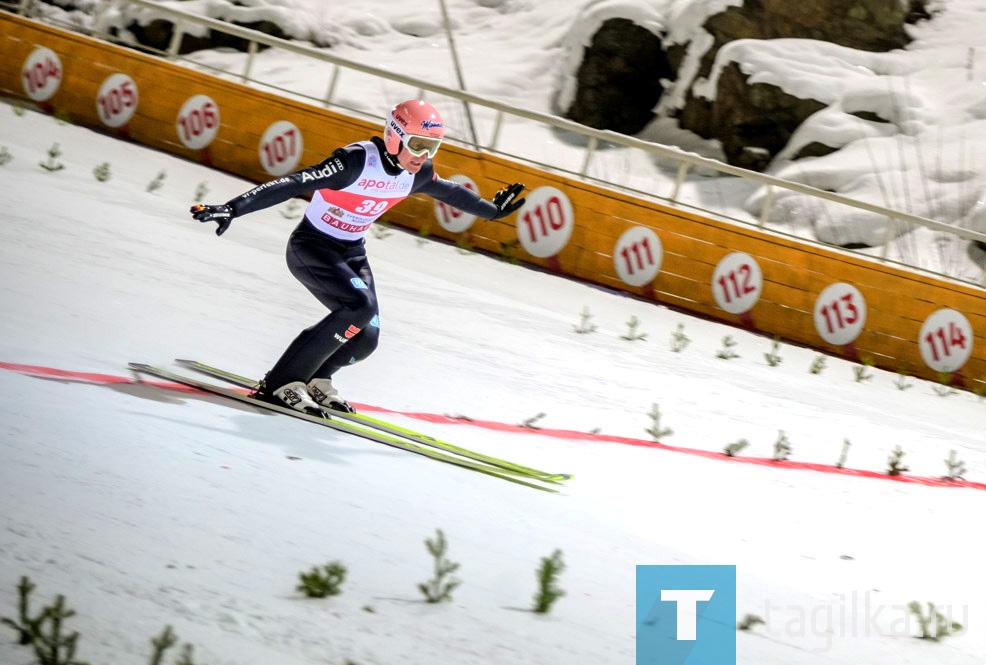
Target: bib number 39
<point>372,207</point>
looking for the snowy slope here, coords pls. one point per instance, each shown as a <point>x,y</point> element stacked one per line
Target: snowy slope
<point>148,507</point>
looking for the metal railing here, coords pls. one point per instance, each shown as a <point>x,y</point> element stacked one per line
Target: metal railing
<point>686,163</point>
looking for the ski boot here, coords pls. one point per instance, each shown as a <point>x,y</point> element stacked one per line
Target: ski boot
<point>325,394</point>
<point>293,395</point>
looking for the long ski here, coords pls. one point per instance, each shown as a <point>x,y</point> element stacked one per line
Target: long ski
<point>390,428</point>
<point>349,427</point>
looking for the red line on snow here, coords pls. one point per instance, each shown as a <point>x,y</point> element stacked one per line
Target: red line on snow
<point>88,377</point>
<point>570,435</point>
<point>611,438</point>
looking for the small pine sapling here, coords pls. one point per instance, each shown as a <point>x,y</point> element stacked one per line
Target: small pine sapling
<point>817,365</point>
<point>200,191</point>
<point>782,447</point>
<point>508,251</point>
<point>547,577</point>
<point>381,230</point>
<point>844,454</point>
<point>584,326</point>
<point>773,358</point>
<point>102,172</point>
<point>944,387</point>
<point>895,463</point>
<point>5,156</point>
<point>50,646</point>
<point>165,641</point>
<point>323,582</point>
<point>955,467</point>
<point>632,335</point>
<point>750,621</point>
<point>529,423</point>
<point>901,383</point>
<point>25,625</point>
<point>679,340</point>
<point>726,352</point>
<point>292,210</point>
<point>934,625</point>
<point>162,643</point>
<point>185,657</point>
<point>157,183</point>
<point>735,448</point>
<point>54,152</point>
<point>861,370</point>
<point>44,632</point>
<point>655,430</point>
<point>439,588</point>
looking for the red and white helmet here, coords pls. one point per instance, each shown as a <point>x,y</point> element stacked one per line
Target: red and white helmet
<point>417,126</point>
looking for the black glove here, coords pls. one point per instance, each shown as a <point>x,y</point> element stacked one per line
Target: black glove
<point>220,214</point>
<point>505,202</point>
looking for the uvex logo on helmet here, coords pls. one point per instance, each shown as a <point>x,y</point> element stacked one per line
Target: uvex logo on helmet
<point>397,128</point>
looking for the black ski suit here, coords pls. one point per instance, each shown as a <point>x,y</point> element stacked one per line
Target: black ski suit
<point>335,269</point>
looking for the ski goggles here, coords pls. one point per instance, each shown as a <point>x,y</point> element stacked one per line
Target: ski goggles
<point>419,146</point>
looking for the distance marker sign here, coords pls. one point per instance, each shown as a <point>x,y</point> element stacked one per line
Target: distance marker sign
<point>41,74</point>
<point>117,100</point>
<point>840,314</point>
<point>737,283</point>
<point>637,256</point>
<point>280,148</point>
<point>946,340</point>
<point>198,122</point>
<point>545,223</point>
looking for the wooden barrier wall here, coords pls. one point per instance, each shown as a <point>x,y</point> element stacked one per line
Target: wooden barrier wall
<point>834,301</point>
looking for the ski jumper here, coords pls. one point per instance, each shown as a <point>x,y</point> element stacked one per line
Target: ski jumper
<point>326,252</point>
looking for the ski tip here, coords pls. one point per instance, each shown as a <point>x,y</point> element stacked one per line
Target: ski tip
<point>553,478</point>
